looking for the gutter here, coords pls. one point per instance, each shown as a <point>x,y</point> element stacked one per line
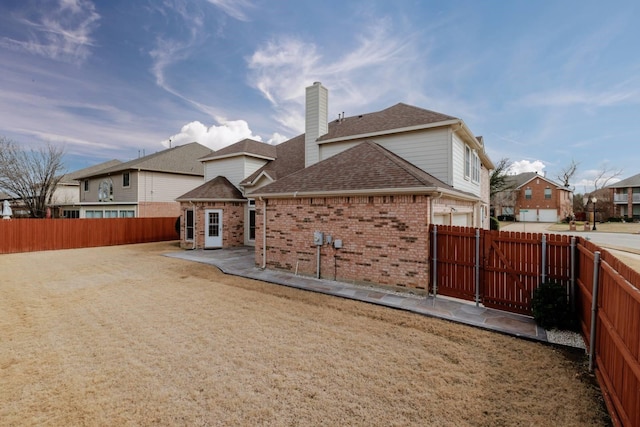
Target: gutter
<point>373,192</point>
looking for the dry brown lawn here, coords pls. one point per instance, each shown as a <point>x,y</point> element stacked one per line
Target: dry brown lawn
<point>125,336</point>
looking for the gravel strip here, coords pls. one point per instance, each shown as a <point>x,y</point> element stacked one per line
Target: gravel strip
<point>568,338</point>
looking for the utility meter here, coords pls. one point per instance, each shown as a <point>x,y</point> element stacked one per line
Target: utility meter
<point>318,238</point>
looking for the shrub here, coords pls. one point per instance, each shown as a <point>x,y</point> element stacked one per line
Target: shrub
<point>550,307</point>
<point>494,223</point>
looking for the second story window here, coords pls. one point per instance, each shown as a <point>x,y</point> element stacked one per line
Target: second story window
<point>125,179</point>
<point>86,185</point>
<point>467,161</point>
<point>547,193</point>
<point>527,193</point>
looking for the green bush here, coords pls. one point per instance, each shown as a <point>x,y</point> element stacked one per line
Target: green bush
<point>494,224</point>
<point>550,307</point>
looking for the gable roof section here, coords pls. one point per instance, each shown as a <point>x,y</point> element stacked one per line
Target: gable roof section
<point>218,188</point>
<point>364,169</point>
<point>246,147</point>
<point>526,177</point>
<point>74,177</point>
<point>632,181</point>
<point>182,159</point>
<point>289,159</point>
<point>399,116</point>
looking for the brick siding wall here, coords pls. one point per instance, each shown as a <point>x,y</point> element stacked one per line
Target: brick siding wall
<point>232,223</point>
<point>385,238</point>
<point>158,209</point>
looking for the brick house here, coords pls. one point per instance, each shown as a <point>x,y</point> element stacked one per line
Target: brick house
<point>626,198</point>
<point>143,187</point>
<point>371,184</point>
<point>530,197</point>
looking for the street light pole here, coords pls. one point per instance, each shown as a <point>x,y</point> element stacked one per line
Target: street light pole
<point>594,200</point>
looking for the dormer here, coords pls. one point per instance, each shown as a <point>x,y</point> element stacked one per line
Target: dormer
<point>238,161</point>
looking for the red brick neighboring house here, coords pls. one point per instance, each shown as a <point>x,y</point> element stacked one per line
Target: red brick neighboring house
<point>371,184</point>
<point>626,198</point>
<point>531,197</point>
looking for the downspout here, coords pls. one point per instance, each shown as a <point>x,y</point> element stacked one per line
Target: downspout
<point>195,219</point>
<point>264,234</point>
<point>431,200</point>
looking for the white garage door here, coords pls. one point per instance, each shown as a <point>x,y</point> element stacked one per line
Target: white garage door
<point>441,219</point>
<point>461,220</point>
<point>547,215</point>
<point>528,215</point>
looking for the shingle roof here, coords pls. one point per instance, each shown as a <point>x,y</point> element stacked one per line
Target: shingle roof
<point>365,167</point>
<point>398,116</point>
<point>219,188</point>
<point>289,159</point>
<point>183,159</point>
<point>246,146</point>
<point>519,180</point>
<point>632,181</point>
<point>73,177</point>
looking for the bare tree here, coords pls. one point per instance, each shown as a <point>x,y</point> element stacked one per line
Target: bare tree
<point>605,175</point>
<point>30,175</point>
<point>498,178</point>
<point>565,175</point>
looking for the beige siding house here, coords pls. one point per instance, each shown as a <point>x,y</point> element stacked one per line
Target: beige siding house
<point>351,199</point>
<point>144,187</point>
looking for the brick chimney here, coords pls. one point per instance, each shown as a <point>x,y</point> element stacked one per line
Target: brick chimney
<point>316,121</point>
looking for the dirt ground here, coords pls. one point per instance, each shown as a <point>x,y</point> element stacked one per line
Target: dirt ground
<point>124,336</point>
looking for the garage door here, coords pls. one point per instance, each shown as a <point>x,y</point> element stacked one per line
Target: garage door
<point>547,215</point>
<point>528,215</point>
<point>441,219</point>
<point>461,220</point>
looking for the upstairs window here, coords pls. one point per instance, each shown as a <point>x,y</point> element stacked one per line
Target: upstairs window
<point>125,179</point>
<point>527,193</point>
<point>86,185</point>
<point>547,193</point>
<point>467,161</point>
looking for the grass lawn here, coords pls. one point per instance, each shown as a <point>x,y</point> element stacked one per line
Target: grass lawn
<point>124,336</point>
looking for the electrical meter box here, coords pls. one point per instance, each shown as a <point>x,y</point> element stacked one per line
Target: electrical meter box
<point>337,243</point>
<point>318,238</point>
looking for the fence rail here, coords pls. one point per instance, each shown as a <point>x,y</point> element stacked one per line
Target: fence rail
<point>513,265</point>
<point>29,235</point>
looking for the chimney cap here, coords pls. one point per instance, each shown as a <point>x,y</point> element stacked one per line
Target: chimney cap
<point>317,83</point>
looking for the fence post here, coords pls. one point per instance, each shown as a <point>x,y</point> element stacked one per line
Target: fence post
<point>572,281</point>
<point>544,259</point>
<point>477,269</point>
<point>435,263</point>
<point>594,309</point>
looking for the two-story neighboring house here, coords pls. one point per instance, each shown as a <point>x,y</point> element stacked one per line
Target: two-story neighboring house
<point>367,187</point>
<point>66,196</point>
<point>143,187</point>
<point>530,197</point>
<point>626,197</point>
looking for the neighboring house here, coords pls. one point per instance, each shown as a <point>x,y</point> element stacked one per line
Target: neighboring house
<point>530,197</point>
<point>144,187</point>
<point>626,197</point>
<point>65,199</point>
<point>372,184</point>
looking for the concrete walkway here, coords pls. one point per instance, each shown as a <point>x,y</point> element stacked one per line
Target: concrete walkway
<point>240,262</point>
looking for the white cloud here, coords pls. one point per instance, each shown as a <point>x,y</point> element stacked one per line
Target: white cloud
<point>276,139</point>
<point>62,33</point>
<point>522,166</point>
<point>283,67</point>
<point>214,137</point>
<point>234,8</point>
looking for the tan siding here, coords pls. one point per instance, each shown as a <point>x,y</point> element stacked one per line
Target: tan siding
<point>251,164</point>
<point>126,194</point>
<point>232,168</point>
<point>165,187</point>
<point>459,181</point>
<point>426,149</point>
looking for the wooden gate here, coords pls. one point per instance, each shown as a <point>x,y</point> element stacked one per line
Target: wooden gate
<point>498,269</point>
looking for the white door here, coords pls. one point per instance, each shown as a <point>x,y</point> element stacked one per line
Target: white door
<point>213,228</point>
<point>548,215</point>
<point>528,215</point>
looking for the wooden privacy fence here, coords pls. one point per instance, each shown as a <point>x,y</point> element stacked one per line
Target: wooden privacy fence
<point>29,235</point>
<point>498,269</point>
<point>502,269</point>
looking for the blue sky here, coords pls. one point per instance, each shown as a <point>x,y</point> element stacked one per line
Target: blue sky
<point>544,82</point>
